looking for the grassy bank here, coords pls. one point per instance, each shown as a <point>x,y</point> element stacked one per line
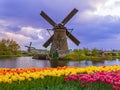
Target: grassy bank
<point>92,58</point>
<point>11,56</point>
<point>94,55</point>
<point>79,57</point>
<point>8,56</point>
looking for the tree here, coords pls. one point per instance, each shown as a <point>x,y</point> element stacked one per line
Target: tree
<point>95,52</point>
<point>86,51</point>
<point>8,47</point>
<point>79,52</point>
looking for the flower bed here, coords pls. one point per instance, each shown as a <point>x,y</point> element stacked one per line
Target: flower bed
<point>112,78</point>
<point>70,77</point>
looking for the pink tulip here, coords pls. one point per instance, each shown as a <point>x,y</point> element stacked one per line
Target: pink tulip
<point>112,78</point>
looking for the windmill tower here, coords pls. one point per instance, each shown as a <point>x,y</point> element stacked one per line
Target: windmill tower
<point>59,38</point>
<point>30,48</point>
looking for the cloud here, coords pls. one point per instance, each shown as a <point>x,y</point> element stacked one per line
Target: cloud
<point>17,37</point>
<point>35,33</point>
<point>110,7</point>
<point>97,21</point>
<point>100,9</point>
<point>20,39</point>
<point>105,44</point>
<point>94,26</point>
<point>22,34</point>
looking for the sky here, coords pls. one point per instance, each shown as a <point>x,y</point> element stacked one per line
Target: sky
<point>95,25</point>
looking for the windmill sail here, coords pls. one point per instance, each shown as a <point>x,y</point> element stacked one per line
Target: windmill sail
<point>77,42</point>
<point>72,13</point>
<point>47,18</point>
<point>47,43</point>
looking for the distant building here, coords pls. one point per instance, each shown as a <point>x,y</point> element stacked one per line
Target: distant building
<point>40,51</point>
<point>104,53</point>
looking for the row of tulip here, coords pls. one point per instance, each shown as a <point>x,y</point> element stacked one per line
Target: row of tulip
<point>112,78</point>
<point>8,75</point>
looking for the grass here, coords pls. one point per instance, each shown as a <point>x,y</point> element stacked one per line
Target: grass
<point>6,56</point>
<point>12,56</point>
<point>53,83</point>
<point>92,58</point>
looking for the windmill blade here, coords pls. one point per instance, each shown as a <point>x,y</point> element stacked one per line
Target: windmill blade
<point>46,44</point>
<point>47,18</point>
<point>77,42</point>
<point>27,46</point>
<point>71,14</point>
<point>30,44</point>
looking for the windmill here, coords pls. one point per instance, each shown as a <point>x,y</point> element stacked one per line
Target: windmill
<point>59,39</point>
<point>29,47</point>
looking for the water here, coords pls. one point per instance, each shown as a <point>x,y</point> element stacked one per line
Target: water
<point>26,62</point>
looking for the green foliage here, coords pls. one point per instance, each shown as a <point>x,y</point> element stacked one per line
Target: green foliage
<point>118,54</point>
<point>53,83</point>
<point>9,47</point>
<point>95,52</point>
<point>86,51</point>
<point>94,55</point>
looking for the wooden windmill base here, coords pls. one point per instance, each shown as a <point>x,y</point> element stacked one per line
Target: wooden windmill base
<point>59,44</point>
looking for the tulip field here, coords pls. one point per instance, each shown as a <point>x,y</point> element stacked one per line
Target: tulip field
<point>61,78</point>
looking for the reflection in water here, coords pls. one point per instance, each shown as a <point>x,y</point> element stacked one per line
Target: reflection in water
<point>26,62</point>
<point>23,62</point>
<point>56,63</point>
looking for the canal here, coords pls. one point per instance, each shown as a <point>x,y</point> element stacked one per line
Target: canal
<point>26,62</point>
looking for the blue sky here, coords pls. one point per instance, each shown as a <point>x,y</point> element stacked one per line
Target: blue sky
<point>96,25</point>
